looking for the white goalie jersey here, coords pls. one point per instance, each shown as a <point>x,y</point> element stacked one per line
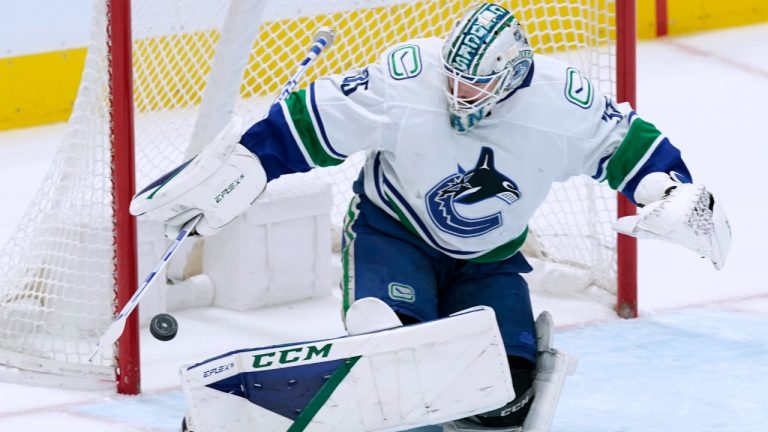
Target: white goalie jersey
<point>470,196</point>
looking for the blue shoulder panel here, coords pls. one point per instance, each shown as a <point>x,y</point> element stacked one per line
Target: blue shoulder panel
<point>271,140</point>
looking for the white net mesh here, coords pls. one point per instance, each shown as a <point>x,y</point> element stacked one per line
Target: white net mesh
<point>56,272</point>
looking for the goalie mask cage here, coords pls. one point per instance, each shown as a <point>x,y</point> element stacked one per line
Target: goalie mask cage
<point>71,261</point>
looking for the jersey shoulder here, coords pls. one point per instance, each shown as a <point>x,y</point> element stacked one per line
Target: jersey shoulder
<point>410,72</point>
<point>560,98</point>
<point>575,86</point>
<point>408,60</point>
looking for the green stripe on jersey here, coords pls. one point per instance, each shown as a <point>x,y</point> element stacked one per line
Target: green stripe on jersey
<point>494,255</point>
<point>298,108</point>
<point>504,251</point>
<point>636,144</point>
<point>401,215</point>
<point>348,257</point>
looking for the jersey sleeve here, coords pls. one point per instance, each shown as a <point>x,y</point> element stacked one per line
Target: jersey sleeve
<point>625,148</point>
<point>321,125</point>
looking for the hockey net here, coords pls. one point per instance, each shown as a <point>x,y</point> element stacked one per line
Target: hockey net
<point>57,282</point>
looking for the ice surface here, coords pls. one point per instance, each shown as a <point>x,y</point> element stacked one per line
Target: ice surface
<point>697,360</point>
<point>699,370</point>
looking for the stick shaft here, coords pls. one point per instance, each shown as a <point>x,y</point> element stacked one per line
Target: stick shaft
<point>118,325</point>
<point>323,39</point>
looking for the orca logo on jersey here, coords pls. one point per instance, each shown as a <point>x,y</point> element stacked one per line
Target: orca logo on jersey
<point>470,188</point>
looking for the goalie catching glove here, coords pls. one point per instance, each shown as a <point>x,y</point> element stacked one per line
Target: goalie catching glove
<point>681,213</point>
<point>221,182</point>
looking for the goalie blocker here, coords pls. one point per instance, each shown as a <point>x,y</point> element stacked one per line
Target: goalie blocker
<point>389,378</point>
<point>220,183</point>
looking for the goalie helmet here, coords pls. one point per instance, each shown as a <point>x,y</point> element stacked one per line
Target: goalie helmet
<point>486,57</point>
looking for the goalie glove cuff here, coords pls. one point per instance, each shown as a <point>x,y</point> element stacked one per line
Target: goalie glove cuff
<point>654,187</point>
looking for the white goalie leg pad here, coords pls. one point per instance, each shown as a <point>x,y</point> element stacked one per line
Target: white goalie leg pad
<point>467,426</point>
<point>386,380</point>
<point>552,367</point>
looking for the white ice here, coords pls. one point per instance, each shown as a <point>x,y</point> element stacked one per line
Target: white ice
<point>696,360</point>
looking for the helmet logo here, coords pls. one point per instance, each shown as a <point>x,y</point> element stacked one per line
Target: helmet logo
<point>476,33</point>
<point>486,57</point>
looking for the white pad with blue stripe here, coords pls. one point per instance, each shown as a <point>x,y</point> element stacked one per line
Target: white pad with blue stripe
<point>387,380</point>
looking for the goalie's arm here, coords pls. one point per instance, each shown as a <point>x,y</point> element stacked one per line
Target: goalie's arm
<point>321,125</point>
<point>636,159</point>
<point>220,183</point>
<point>318,126</point>
<point>626,148</point>
<point>653,175</point>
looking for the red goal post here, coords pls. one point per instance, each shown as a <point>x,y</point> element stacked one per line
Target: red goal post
<point>127,356</point>
<point>626,87</point>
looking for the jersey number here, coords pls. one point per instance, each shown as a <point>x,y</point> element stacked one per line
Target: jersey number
<point>350,84</point>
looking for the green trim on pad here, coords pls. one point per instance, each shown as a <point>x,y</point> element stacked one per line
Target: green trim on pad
<point>322,396</point>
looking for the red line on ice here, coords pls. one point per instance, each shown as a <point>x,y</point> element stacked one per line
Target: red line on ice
<point>708,54</point>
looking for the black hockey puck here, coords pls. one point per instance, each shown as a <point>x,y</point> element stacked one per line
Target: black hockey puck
<point>163,327</point>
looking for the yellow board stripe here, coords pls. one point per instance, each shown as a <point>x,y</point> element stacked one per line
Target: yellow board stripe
<point>41,88</point>
<point>698,15</point>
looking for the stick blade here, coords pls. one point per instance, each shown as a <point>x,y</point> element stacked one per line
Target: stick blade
<point>109,337</point>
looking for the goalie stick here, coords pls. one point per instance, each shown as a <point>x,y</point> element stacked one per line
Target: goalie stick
<point>322,40</point>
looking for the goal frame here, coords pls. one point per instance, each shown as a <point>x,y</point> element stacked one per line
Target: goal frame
<point>626,88</point>
<point>120,43</point>
<point>122,128</point>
